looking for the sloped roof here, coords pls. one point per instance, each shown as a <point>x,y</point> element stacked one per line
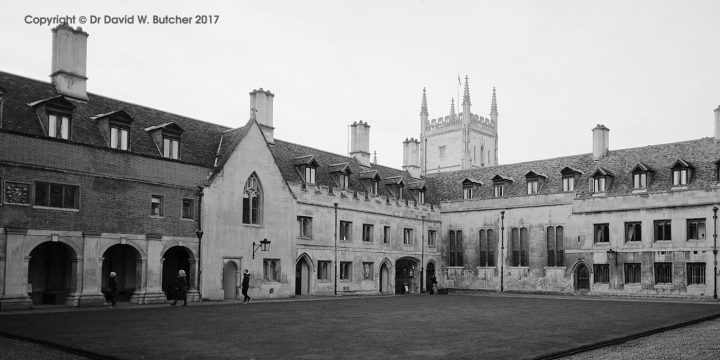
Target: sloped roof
<point>198,145</point>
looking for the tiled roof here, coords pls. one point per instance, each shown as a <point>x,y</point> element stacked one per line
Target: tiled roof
<point>198,144</point>
<point>699,154</point>
<point>228,142</point>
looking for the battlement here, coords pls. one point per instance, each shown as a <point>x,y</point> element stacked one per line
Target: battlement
<point>449,120</point>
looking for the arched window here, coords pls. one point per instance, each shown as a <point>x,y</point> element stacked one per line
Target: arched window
<point>455,253</point>
<point>252,201</point>
<point>555,246</point>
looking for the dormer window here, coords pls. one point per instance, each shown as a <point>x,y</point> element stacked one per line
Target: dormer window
<point>171,148</point>
<point>370,180</point>
<point>570,177</point>
<point>340,173</point>
<point>395,184</point>
<point>55,115</point>
<point>59,126</point>
<point>167,139</point>
<point>599,181</point>
<point>641,176</point>
<point>534,182</point>
<point>421,197</point>
<point>309,175</point>
<point>470,187</point>
<point>115,127</point>
<point>681,171</point>
<point>119,137</point>
<point>306,167</point>
<point>500,184</point>
<point>344,181</point>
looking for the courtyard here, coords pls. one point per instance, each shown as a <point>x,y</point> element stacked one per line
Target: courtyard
<point>487,326</point>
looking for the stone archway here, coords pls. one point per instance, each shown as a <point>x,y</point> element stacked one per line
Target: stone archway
<point>384,280</point>
<point>406,280</point>
<point>582,277</point>
<point>230,280</point>
<point>175,259</point>
<point>51,273</point>
<point>126,262</point>
<point>429,276</point>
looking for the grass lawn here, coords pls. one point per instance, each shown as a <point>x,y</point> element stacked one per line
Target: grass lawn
<point>455,326</point>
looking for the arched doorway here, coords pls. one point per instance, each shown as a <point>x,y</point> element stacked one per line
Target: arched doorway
<point>124,261</point>
<point>429,275</point>
<point>175,259</point>
<point>405,279</point>
<point>302,277</point>
<point>50,272</point>
<point>230,280</point>
<point>384,278</point>
<point>582,278</point>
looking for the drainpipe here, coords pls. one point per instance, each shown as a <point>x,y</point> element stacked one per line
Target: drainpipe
<point>199,234</point>
<point>502,246</point>
<point>715,209</point>
<point>336,264</point>
<point>422,256</point>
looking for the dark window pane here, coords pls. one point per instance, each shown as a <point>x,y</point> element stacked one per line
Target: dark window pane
<point>56,195</point>
<point>41,194</point>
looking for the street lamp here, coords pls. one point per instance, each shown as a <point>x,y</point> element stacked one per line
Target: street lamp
<point>262,246</point>
<point>502,247</point>
<point>715,209</point>
<point>422,256</point>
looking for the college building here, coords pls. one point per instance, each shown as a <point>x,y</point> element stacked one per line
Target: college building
<point>93,185</point>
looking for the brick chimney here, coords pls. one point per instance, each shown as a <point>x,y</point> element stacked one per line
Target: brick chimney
<point>601,141</point>
<point>261,108</point>
<point>411,157</point>
<point>360,142</point>
<point>717,123</point>
<point>69,61</point>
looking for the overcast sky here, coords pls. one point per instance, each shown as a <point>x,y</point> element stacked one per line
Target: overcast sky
<point>648,70</point>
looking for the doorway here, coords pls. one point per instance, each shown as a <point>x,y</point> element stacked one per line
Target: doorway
<point>50,273</point>
<point>302,277</point>
<point>230,280</point>
<point>582,278</point>
<point>122,259</point>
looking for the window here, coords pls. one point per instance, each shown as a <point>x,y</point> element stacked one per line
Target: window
<point>305,224</point>
<point>344,181</point>
<point>487,247</point>
<point>386,235</point>
<point>680,176</point>
<point>59,126</point>
<point>696,273</point>
<point>367,271</point>
<point>532,186</point>
<point>345,270</point>
<point>156,205</point>
<point>602,273</point>
<point>640,180</point>
<point>455,252</point>
<point>632,273</point>
<point>431,237</point>
<point>696,229</point>
<point>309,174</point>
<point>171,148</point>
<point>400,191</point>
<point>441,151</point>
<point>57,195</point>
<point>467,192</point>
<point>663,273</point>
<point>663,230</point>
<point>188,209</point>
<point>597,184</point>
<point>323,272</point>
<point>252,201</point>
<point>119,137</point>
<point>633,232</point>
<point>374,187</point>
<point>367,233</point>
<point>345,230</point>
<point>602,233</point>
<point>499,190</point>
<point>519,244</point>
<point>407,236</point>
<point>271,269</point>
<point>421,197</point>
<point>568,183</point>
<point>555,245</point>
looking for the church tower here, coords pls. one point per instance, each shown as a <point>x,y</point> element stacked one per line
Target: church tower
<point>458,141</point>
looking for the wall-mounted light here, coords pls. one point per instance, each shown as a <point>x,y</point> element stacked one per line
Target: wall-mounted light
<point>613,253</point>
<point>262,246</point>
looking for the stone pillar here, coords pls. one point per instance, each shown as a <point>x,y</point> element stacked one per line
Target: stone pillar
<point>90,274</point>
<point>15,295</point>
<point>76,278</point>
<point>153,273</point>
<point>193,294</point>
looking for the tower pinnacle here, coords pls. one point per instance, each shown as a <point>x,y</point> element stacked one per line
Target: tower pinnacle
<point>423,106</point>
<point>466,94</point>
<point>452,107</point>
<point>493,105</point>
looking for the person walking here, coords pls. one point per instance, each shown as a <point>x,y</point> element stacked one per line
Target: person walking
<point>433,285</point>
<point>245,286</point>
<point>112,289</point>
<point>180,287</point>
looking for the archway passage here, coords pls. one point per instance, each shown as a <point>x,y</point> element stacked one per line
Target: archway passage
<point>582,278</point>
<point>50,272</point>
<point>302,277</point>
<point>230,280</point>
<point>429,276</point>
<point>176,258</point>
<point>124,261</point>
<point>405,279</point>
<point>384,278</point>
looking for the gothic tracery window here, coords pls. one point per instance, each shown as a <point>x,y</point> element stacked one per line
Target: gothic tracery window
<point>252,201</point>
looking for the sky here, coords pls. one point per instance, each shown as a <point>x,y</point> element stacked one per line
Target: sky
<point>648,70</point>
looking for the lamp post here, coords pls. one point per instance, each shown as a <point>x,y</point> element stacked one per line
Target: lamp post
<point>262,246</point>
<point>502,247</point>
<point>422,256</point>
<point>715,209</point>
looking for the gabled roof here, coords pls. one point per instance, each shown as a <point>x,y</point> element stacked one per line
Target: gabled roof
<point>468,181</point>
<point>531,175</point>
<point>680,163</point>
<point>570,171</point>
<point>117,114</point>
<point>59,101</point>
<point>370,174</point>
<point>640,167</point>
<point>500,178</point>
<point>417,185</point>
<point>394,180</point>
<point>600,172</point>
<point>229,140</point>
<point>340,168</point>
<point>170,127</point>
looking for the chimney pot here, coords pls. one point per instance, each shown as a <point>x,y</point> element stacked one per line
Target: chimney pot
<point>68,70</point>
<point>601,141</point>
<point>262,103</point>
<point>717,123</point>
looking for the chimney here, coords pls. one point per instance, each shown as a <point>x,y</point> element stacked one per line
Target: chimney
<point>360,142</point>
<point>261,109</point>
<point>717,123</point>
<point>69,61</point>
<point>601,141</point>
<point>411,157</point>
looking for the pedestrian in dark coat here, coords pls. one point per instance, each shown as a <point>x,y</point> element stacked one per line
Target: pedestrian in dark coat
<point>180,286</point>
<point>246,286</point>
<point>112,289</point>
<point>433,284</point>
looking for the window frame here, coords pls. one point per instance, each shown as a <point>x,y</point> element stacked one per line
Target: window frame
<point>499,190</point>
<point>696,222</point>
<point>555,245</point>
<point>115,142</point>
<point>663,273</point>
<point>601,274</point>
<point>456,254</point>
<point>311,173</point>
<point>533,186</point>
<point>387,235</point>
<point>432,237</point>
<point>568,183</point>
<point>633,232</point>
<point>172,151</point>
<point>408,237</point>
<point>632,273</point>
<point>58,130</point>
<point>367,235</point>
<point>161,206</point>
<point>666,225</point>
<point>323,273</point>
<point>368,274</point>
<point>487,244</point>
<point>519,246</point>
<point>345,272</point>
<point>345,228</point>
<point>467,192</point>
<point>696,273</point>
<point>304,227</point>
<point>191,209</point>
<point>48,198</point>
<point>273,264</point>
<point>640,180</point>
<point>677,176</point>
<point>252,202</point>
<point>604,233</point>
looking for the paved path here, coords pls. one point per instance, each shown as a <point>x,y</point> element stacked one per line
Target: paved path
<point>24,350</point>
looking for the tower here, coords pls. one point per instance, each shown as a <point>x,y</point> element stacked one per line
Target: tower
<point>458,141</point>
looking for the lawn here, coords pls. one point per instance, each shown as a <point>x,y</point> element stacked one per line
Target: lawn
<point>455,326</point>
